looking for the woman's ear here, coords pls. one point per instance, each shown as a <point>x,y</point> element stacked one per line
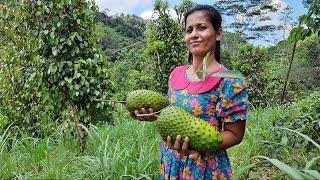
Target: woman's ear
<point>218,34</point>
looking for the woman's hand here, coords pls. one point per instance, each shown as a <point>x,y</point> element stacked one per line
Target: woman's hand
<point>182,149</point>
<point>144,114</point>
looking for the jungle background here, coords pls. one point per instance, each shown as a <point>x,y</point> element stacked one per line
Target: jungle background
<point>61,60</point>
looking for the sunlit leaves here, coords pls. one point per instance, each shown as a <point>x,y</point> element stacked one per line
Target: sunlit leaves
<point>309,23</point>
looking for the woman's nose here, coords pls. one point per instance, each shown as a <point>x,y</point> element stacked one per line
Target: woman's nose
<point>194,34</point>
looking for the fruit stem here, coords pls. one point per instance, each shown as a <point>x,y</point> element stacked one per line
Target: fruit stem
<point>110,100</point>
<point>156,114</point>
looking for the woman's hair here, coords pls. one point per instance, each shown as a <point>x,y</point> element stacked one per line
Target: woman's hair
<point>215,19</point>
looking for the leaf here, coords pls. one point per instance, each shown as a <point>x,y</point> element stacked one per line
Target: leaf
<point>293,173</point>
<point>243,170</point>
<point>203,73</point>
<point>310,163</point>
<point>284,140</point>
<point>306,176</point>
<point>205,65</point>
<point>315,174</point>
<point>228,74</point>
<point>79,38</point>
<point>200,74</point>
<point>303,135</point>
<point>54,52</point>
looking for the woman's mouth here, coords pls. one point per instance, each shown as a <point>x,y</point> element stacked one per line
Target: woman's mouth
<point>195,42</point>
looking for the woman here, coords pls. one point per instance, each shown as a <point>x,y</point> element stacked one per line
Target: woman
<point>220,101</point>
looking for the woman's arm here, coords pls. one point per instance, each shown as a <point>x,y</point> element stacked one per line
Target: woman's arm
<point>232,134</point>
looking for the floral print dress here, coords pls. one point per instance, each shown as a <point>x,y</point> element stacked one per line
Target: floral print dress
<point>216,100</point>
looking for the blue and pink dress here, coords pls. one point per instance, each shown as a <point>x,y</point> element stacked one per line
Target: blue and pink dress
<point>216,100</point>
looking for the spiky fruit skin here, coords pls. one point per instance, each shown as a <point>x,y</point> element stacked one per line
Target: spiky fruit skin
<point>146,99</point>
<point>175,121</point>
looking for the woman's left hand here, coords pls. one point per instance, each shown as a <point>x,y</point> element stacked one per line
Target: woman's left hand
<point>182,149</point>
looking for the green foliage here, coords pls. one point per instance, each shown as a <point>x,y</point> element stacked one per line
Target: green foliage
<point>113,43</point>
<point>267,135</point>
<point>74,69</point>
<point>130,72</point>
<point>127,25</point>
<point>51,61</point>
<point>291,172</point>
<point>23,98</point>
<point>309,23</point>
<point>251,62</point>
<point>108,155</point>
<point>304,77</point>
<point>308,50</point>
<point>165,45</point>
<point>303,116</point>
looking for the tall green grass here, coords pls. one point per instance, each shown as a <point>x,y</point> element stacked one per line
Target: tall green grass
<point>130,149</point>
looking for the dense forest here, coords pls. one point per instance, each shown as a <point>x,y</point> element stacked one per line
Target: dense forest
<point>65,67</point>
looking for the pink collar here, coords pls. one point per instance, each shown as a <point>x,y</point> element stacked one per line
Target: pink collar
<point>179,81</point>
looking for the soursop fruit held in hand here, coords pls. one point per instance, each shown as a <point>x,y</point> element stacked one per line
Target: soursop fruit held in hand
<point>175,121</point>
<point>146,99</point>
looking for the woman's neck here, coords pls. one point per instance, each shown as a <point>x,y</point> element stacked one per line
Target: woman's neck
<point>197,63</point>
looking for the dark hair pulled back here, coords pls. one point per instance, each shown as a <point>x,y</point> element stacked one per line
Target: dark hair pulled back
<point>215,19</point>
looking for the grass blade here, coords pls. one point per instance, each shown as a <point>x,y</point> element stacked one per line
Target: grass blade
<point>3,138</point>
<point>315,174</point>
<point>243,170</point>
<point>283,167</point>
<point>310,163</point>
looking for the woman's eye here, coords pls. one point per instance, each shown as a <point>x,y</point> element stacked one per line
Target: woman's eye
<point>202,27</point>
<point>188,31</point>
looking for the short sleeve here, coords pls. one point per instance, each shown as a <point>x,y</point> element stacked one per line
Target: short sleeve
<point>233,100</point>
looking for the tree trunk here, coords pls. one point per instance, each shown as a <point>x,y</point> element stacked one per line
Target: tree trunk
<point>83,134</point>
<point>288,73</point>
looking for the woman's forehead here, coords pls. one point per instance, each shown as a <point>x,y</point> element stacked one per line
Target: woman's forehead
<point>197,17</point>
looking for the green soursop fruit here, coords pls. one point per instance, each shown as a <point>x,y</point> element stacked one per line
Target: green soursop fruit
<point>146,99</point>
<point>175,121</point>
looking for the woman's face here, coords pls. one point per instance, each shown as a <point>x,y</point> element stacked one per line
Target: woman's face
<point>200,36</point>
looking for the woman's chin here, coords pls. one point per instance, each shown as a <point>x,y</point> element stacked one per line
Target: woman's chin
<point>199,53</point>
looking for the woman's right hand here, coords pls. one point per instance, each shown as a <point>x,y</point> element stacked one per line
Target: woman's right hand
<point>143,114</point>
<point>182,149</point>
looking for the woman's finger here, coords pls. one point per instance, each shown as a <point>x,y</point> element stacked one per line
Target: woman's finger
<point>177,143</point>
<point>143,110</point>
<point>132,114</point>
<point>194,154</point>
<point>184,149</point>
<point>169,143</point>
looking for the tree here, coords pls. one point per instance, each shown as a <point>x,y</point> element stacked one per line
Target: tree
<point>181,9</point>
<point>248,15</point>
<point>308,24</point>
<point>23,98</point>
<point>69,64</point>
<point>165,45</point>
<point>251,62</point>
